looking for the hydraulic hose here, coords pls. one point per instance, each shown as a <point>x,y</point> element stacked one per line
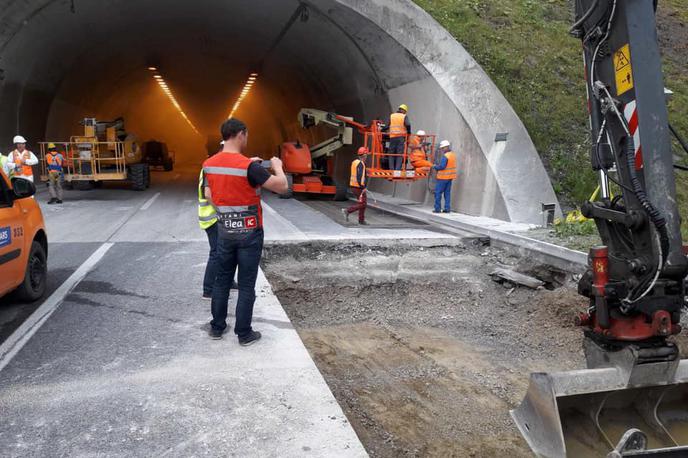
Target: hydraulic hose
<point>655,216</point>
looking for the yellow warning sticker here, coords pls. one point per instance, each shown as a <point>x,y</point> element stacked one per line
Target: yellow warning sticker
<point>623,70</point>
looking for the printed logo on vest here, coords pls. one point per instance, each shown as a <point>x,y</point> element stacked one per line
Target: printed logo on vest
<point>251,222</point>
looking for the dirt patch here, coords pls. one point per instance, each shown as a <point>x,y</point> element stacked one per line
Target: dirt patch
<point>425,353</point>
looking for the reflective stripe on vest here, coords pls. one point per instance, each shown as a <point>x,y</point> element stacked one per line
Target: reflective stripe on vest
<point>353,181</point>
<point>207,216</point>
<point>449,173</point>
<point>397,125</point>
<point>237,203</point>
<point>19,169</point>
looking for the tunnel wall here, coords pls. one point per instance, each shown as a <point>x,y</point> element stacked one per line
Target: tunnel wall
<point>359,58</point>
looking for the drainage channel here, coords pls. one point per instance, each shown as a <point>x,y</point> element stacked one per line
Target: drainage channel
<point>423,349</point>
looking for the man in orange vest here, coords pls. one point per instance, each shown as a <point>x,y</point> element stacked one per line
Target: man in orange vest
<point>54,161</point>
<point>417,154</point>
<point>22,158</point>
<point>446,173</point>
<point>232,185</point>
<point>358,184</point>
<point>399,127</point>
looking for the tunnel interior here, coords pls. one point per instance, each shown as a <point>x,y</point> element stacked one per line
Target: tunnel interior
<point>64,60</point>
<point>88,59</point>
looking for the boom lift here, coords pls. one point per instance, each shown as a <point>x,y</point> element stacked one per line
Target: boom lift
<point>310,169</point>
<point>633,398</point>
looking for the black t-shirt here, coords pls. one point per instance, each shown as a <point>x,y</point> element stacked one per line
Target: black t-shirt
<point>257,175</point>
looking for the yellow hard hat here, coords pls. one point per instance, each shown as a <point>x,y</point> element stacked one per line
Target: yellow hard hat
<point>403,106</point>
<point>51,146</point>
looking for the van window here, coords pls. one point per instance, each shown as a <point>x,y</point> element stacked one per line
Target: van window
<point>5,194</point>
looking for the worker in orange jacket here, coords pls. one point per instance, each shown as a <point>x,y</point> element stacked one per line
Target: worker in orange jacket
<point>399,127</point>
<point>358,184</point>
<point>22,158</point>
<point>54,161</point>
<point>417,153</point>
<point>446,174</point>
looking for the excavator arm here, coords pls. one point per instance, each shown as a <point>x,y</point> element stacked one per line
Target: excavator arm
<point>633,398</point>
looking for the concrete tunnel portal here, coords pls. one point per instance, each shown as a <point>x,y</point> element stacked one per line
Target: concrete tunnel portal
<point>63,60</point>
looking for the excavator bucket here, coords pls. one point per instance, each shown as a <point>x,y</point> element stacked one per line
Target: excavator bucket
<point>616,409</point>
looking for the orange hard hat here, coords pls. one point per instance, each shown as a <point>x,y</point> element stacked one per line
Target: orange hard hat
<point>362,150</point>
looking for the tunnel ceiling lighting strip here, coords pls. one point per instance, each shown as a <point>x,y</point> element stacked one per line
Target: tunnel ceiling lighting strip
<point>168,92</point>
<point>244,93</point>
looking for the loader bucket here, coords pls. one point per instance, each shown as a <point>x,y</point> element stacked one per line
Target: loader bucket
<point>607,412</point>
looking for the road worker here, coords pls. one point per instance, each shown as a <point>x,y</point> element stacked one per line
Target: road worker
<point>22,158</point>
<point>418,154</point>
<point>399,127</point>
<point>54,161</point>
<point>446,173</point>
<point>359,186</point>
<point>232,184</point>
<point>7,166</point>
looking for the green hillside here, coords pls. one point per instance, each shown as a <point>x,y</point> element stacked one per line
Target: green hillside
<point>525,47</point>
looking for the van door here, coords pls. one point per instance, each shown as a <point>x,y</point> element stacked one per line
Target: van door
<point>12,259</point>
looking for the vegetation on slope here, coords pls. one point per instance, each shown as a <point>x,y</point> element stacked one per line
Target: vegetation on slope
<point>525,47</point>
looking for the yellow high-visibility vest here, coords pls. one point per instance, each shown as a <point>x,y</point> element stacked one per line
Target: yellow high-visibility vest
<point>207,215</point>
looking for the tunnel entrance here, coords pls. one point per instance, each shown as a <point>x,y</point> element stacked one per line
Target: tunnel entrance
<point>62,61</point>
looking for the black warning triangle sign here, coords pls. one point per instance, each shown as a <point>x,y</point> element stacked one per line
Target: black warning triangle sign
<point>621,60</point>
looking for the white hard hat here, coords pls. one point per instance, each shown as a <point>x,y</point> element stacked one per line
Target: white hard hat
<point>18,139</point>
<point>420,133</point>
<point>444,143</point>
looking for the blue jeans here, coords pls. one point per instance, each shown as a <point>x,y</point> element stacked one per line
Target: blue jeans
<point>244,254</point>
<point>443,188</point>
<point>211,266</point>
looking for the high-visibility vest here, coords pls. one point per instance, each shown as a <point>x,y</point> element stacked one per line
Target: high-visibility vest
<point>19,169</point>
<point>397,125</point>
<point>3,162</point>
<point>207,216</point>
<point>449,173</point>
<point>54,162</point>
<point>239,211</point>
<point>353,181</point>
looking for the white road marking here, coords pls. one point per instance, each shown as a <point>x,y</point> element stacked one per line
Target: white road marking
<point>150,201</point>
<point>23,333</point>
<point>298,234</point>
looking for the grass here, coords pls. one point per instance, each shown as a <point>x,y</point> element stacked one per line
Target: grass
<point>525,47</point>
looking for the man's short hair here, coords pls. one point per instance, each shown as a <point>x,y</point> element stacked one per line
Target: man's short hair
<point>231,128</point>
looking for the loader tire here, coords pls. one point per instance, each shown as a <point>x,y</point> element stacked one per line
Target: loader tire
<point>168,165</point>
<point>148,177</point>
<point>137,176</point>
<point>342,192</point>
<point>83,185</point>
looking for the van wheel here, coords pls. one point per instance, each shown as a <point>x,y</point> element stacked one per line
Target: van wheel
<point>36,275</point>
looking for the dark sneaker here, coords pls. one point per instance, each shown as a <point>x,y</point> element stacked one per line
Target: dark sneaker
<point>346,214</point>
<point>250,339</point>
<point>58,201</point>
<point>52,201</point>
<point>446,211</point>
<point>364,223</point>
<point>436,211</point>
<point>215,334</point>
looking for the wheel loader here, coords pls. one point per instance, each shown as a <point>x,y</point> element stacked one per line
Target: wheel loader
<point>106,152</point>
<point>632,400</point>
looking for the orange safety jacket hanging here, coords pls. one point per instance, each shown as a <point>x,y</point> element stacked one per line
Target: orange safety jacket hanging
<point>22,169</point>
<point>353,181</point>
<point>449,172</point>
<point>397,125</point>
<point>239,211</point>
